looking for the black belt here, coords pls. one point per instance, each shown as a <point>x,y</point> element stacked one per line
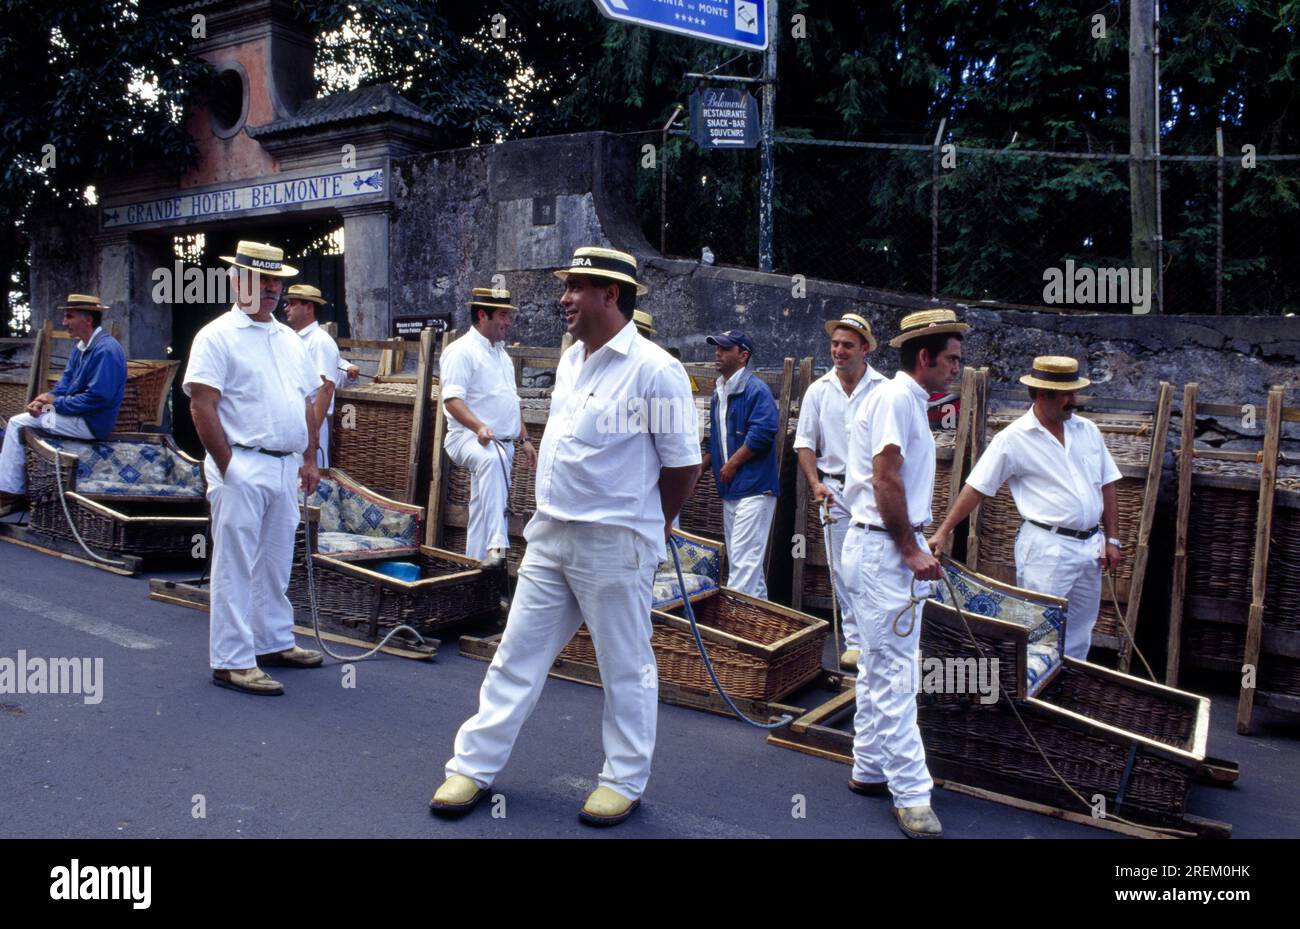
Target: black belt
<point>1061,530</point>
<point>822,475</point>
<point>872,528</point>
<point>265,451</point>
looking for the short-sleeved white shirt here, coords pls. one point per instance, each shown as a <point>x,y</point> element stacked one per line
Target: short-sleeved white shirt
<point>264,374</point>
<point>826,416</point>
<point>480,373</point>
<point>1052,483</point>
<point>617,417</point>
<point>324,354</point>
<point>893,414</point>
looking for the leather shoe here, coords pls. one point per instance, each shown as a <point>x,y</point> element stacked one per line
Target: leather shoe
<point>605,807</point>
<point>918,822</point>
<point>295,657</point>
<point>12,503</point>
<point>869,788</point>
<point>849,660</point>
<point>495,560</point>
<point>250,681</point>
<point>456,797</point>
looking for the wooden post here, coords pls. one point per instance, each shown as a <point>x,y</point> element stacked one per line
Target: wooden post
<point>1259,577</point>
<point>1142,129</point>
<point>960,444</point>
<point>1155,463</point>
<point>978,434</point>
<point>38,377</point>
<point>423,380</point>
<point>783,404</point>
<point>1186,457</point>
<point>438,468</point>
<point>801,500</point>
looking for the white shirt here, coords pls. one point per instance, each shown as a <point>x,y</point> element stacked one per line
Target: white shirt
<point>617,418</point>
<point>481,373</point>
<point>1052,483</point>
<point>725,388</point>
<point>324,355</point>
<point>893,414</point>
<point>89,342</point>
<point>264,374</point>
<point>826,416</point>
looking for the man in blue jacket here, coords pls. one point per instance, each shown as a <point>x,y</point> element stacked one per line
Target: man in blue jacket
<point>82,405</point>
<point>742,454</point>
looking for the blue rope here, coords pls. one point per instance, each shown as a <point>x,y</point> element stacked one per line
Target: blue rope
<point>785,719</point>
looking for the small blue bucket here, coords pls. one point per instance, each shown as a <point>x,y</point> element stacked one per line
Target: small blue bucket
<point>401,570</point>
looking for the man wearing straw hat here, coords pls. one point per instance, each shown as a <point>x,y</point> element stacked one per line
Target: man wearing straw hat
<point>82,405</point>
<point>889,486</point>
<point>822,445</point>
<point>483,420</point>
<point>300,305</point>
<point>251,385</point>
<point>1062,478</point>
<point>610,480</point>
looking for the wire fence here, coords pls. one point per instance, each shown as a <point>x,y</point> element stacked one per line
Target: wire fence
<point>999,225</point>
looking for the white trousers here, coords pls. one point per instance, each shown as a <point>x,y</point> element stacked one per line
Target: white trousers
<point>573,573</point>
<point>886,738</point>
<point>488,491</point>
<point>1064,567</point>
<point>323,448</point>
<point>745,525</point>
<point>839,532</point>
<point>13,463</point>
<point>254,517</point>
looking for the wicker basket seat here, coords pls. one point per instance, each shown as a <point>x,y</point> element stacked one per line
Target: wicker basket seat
<point>702,562</point>
<point>354,518</point>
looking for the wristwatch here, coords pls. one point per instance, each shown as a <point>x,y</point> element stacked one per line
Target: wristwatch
<point>1115,542</point>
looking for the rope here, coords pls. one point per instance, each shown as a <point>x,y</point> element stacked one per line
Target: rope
<point>315,612</point>
<point>956,605</point>
<point>67,514</point>
<point>829,541</point>
<point>500,445</point>
<point>785,719</point>
<point>1119,616</point>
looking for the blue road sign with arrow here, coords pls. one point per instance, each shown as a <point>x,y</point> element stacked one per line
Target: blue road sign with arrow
<point>742,23</point>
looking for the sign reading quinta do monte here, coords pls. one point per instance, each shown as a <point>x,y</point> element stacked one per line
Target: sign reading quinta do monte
<point>287,192</point>
<point>742,23</point>
<point>724,118</point>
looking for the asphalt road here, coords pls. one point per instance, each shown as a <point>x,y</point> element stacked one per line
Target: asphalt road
<point>325,760</point>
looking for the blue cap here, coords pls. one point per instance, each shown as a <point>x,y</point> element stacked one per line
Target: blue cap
<point>732,337</point>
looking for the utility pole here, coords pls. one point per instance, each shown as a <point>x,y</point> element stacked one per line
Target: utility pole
<point>767,179</point>
<point>1143,129</point>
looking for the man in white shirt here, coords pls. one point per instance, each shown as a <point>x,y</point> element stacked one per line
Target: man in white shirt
<point>483,419</point>
<point>1062,478</point>
<point>619,457</point>
<point>300,305</point>
<point>251,384</point>
<point>890,483</point>
<point>822,445</point>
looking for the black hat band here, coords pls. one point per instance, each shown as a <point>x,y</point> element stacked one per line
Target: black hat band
<point>1055,376</point>
<point>600,263</point>
<point>265,264</point>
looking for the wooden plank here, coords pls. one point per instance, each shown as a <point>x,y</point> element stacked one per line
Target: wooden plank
<point>1263,534</point>
<point>783,405</point>
<point>423,384</point>
<point>1174,643</point>
<point>978,440</point>
<point>411,650</point>
<point>801,499</point>
<point>381,345</point>
<point>1056,812</point>
<point>438,470</point>
<point>1150,493</point>
<point>1211,663</point>
<point>1288,703</point>
<point>67,551</point>
<point>1218,772</point>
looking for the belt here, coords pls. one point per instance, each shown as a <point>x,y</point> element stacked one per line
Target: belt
<point>1061,530</point>
<point>265,451</point>
<point>873,528</point>
<point>822,475</point>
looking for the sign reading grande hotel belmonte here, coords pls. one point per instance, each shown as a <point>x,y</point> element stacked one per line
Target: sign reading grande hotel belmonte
<point>287,192</point>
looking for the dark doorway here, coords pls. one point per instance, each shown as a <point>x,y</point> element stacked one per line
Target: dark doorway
<point>313,248</point>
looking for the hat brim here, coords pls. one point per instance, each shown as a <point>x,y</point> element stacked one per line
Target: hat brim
<point>938,329</point>
<point>604,275</point>
<point>647,330</point>
<point>285,270</point>
<point>86,307</point>
<point>492,306</point>
<point>319,301</point>
<point>1064,387</point>
<point>833,324</point>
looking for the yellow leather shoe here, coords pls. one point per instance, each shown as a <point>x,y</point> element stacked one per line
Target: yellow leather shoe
<point>605,807</point>
<point>251,681</point>
<point>849,660</point>
<point>918,822</point>
<point>456,797</point>
<point>295,657</point>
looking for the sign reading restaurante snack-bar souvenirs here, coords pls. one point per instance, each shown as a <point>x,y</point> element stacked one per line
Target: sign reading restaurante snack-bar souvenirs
<point>317,189</point>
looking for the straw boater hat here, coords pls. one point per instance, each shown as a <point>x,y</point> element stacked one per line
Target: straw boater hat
<point>257,256</point>
<point>304,292</point>
<point>606,263</point>
<point>927,322</point>
<point>1055,372</point>
<point>857,324</point>
<point>490,298</point>
<point>85,302</point>
<point>645,323</point>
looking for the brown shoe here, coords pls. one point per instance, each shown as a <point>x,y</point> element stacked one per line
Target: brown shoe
<point>869,788</point>
<point>295,657</point>
<point>12,503</point>
<point>918,822</point>
<point>251,681</point>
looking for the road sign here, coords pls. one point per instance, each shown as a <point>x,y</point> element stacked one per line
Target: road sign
<point>724,118</point>
<point>742,23</point>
